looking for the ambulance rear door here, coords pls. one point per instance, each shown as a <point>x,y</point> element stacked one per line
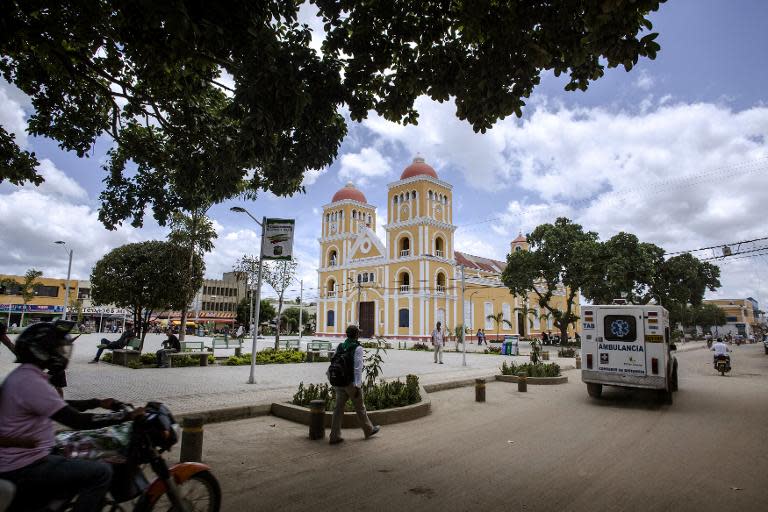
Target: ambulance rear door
<point>621,341</point>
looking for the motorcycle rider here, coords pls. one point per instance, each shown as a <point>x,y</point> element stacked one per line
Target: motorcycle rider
<point>29,405</point>
<point>721,350</point>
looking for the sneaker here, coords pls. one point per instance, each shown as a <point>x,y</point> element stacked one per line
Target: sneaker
<point>336,441</point>
<point>374,431</point>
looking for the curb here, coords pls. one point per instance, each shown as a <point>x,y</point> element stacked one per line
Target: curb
<point>230,413</point>
<point>453,384</point>
<point>302,415</point>
<point>534,381</point>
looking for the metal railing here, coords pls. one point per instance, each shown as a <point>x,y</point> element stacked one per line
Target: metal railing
<point>439,253</point>
<point>405,288</point>
<point>331,293</point>
<point>405,252</point>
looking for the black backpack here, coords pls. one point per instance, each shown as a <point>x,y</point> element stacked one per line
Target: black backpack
<point>341,371</point>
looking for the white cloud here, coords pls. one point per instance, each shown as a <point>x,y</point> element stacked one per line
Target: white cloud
<point>59,184</point>
<point>312,175</point>
<point>12,116</point>
<point>362,166</point>
<point>644,80</point>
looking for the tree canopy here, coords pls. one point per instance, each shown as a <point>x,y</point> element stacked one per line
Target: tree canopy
<point>227,98</point>
<point>144,277</point>
<point>557,264</point>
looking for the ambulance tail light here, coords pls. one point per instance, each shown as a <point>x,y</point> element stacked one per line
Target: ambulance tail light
<point>589,361</point>
<point>655,366</point>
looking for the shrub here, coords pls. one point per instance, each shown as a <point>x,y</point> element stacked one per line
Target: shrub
<point>492,350</point>
<point>269,356</point>
<point>134,365</point>
<point>107,358</point>
<point>383,395</point>
<point>532,369</point>
<point>148,359</point>
<point>420,346</point>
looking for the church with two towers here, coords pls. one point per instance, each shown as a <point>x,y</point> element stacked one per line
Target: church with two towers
<point>401,287</point>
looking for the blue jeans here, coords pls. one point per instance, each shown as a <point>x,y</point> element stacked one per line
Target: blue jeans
<point>57,478</point>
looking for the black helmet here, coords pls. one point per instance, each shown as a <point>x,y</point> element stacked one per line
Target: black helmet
<point>46,344</point>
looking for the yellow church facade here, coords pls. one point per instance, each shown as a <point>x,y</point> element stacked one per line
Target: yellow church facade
<point>401,287</point>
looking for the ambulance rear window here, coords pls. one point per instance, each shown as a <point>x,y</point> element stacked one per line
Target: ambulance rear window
<point>620,328</point>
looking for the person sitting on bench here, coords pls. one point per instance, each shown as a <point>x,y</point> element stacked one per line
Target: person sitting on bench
<point>113,345</point>
<point>170,345</point>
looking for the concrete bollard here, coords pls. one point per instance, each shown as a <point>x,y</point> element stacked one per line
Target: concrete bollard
<point>316,419</point>
<point>522,382</point>
<point>578,362</point>
<point>191,439</point>
<point>479,390</point>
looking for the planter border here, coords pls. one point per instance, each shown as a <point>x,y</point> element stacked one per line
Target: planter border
<point>534,381</point>
<point>299,414</point>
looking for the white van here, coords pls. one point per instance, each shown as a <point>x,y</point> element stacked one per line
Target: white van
<point>627,346</point>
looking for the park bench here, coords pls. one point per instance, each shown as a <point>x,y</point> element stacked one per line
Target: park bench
<point>123,356</point>
<point>191,349</point>
<point>225,342</point>
<point>289,344</point>
<point>316,347</point>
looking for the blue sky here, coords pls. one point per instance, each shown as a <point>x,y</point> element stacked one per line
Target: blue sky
<point>675,151</point>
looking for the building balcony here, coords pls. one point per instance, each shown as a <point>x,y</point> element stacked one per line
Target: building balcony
<point>439,253</point>
<point>440,288</point>
<point>332,263</point>
<point>331,294</point>
<point>405,288</point>
<point>405,253</point>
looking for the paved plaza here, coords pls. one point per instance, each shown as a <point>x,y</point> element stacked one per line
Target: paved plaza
<point>197,388</point>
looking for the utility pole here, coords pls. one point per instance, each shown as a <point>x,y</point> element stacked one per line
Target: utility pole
<point>463,317</point>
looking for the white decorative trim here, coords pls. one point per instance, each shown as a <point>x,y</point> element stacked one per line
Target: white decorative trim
<point>420,221</point>
<point>347,201</point>
<point>420,177</point>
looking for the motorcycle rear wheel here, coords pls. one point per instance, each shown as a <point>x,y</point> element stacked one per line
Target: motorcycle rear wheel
<point>200,492</point>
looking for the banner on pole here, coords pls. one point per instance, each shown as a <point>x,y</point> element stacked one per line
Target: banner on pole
<point>277,243</point>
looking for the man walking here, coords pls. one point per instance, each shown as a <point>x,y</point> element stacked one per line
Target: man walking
<point>438,340</point>
<point>353,353</point>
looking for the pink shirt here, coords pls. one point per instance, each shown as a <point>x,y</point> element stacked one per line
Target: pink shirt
<point>27,401</point>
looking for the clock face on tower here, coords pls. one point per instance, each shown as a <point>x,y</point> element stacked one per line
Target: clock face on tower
<point>333,227</point>
<point>404,213</point>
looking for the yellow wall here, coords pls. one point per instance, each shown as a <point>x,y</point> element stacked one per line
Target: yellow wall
<point>60,284</point>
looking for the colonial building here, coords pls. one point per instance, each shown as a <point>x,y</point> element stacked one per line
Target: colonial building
<point>742,316</point>
<point>400,287</point>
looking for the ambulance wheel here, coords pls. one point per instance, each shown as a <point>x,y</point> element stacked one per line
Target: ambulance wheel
<point>594,390</point>
<point>665,396</point>
<point>673,379</point>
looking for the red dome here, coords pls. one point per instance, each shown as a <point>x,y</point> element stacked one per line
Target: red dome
<point>418,168</point>
<point>349,192</point>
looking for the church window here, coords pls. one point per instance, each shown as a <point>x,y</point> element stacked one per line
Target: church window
<point>413,194</point>
<point>330,321</point>
<point>518,249</point>
<point>359,278</point>
<point>395,199</point>
<point>332,258</point>
<point>439,247</point>
<point>369,220</point>
<point>371,277</point>
<point>404,320</point>
<point>405,247</point>
<point>430,195</point>
<point>365,277</point>
<point>440,282</point>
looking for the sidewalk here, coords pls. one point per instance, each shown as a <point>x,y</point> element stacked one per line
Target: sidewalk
<point>195,388</point>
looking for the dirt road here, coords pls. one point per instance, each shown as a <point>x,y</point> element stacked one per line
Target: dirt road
<point>553,448</point>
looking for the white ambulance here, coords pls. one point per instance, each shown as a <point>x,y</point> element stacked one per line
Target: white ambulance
<point>627,346</point>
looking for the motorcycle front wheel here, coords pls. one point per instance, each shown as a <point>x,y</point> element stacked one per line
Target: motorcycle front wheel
<point>199,493</point>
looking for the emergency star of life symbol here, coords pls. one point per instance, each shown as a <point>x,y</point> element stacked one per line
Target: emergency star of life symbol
<point>620,328</point>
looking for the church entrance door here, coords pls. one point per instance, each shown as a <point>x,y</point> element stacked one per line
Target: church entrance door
<point>367,319</point>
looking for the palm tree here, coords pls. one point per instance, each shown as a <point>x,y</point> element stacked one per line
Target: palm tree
<point>499,319</point>
<point>527,312</point>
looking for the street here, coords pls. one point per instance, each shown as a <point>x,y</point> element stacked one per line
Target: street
<point>552,448</point>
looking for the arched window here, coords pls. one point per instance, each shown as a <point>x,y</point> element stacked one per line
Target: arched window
<point>331,317</point>
<point>445,199</point>
<point>365,277</point>
<point>440,282</point>
<point>401,198</point>
<point>371,277</point>
<point>369,220</point>
<point>439,247</point>
<point>405,247</point>
<point>413,194</point>
<point>518,249</point>
<point>430,195</point>
<point>331,287</point>
<point>332,258</point>
<point>354,214</point>
<point>359,278</point>
<point>327,217</point>
<point>404,318</point>
<point>405,281</point>
<point>395,199</point>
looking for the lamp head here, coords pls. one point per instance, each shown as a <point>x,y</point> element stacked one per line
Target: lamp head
<point>238,209</point>
<point>60,242</point>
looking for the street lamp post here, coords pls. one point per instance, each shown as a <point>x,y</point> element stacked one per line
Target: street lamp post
<point>257,299</point>
<point>463,317</point>
<point>69,272</point>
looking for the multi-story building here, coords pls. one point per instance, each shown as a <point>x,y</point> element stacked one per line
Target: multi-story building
<point>402,286</point>
<point>215,303</point>
<point>47,303</point>
<point>742,316</point>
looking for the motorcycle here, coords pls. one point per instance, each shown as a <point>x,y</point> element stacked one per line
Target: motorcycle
<point>184,487</point>
<point>722,364</point>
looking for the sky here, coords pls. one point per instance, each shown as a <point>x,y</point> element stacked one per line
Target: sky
<point>675,151</point>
